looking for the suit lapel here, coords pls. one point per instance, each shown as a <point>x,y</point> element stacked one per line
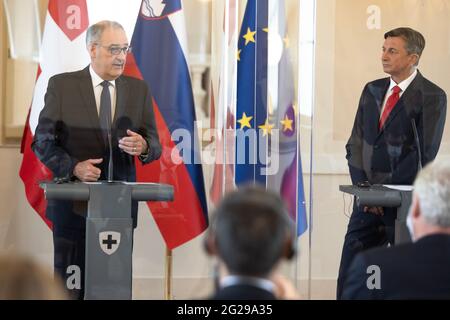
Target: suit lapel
<point>87,92</point>
<point>122,96</point>
<point>379,92</point>
<point>406,99</point>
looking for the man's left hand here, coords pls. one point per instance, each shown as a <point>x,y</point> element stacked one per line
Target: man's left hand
<point>134,144</point>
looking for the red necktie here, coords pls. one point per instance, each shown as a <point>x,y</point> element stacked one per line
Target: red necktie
<point>390,104</point>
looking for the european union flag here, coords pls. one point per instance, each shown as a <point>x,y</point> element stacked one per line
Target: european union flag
<point>267,120</point>
<point>251,108</point>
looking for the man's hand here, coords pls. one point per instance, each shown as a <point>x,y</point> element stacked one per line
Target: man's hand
<point>86,170</point>
<point>134,144</point>
<point>374,210</point>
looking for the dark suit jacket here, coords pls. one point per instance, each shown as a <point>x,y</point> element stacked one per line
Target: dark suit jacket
<point>419,270</point>
<point>391,155</point>
<point>243,292</point>
<point>69,132</point>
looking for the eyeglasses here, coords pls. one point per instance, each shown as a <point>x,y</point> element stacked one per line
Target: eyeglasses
<point>115,50</point>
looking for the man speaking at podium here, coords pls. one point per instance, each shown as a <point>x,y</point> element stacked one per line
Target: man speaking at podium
<point>94,122</point>
<point>397,129</point>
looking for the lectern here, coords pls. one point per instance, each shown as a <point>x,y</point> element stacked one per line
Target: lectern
<point>382,196</point>
<point>109,237</point>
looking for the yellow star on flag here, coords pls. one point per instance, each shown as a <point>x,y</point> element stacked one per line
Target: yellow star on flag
<point>245,121</point>
<point>239,55</point>
<point>266,127</point>
<point>287,124</point>
<point>266,30</point>
<point>249,36</point>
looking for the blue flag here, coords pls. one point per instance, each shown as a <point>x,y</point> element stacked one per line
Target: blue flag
<point>251,107</point>
<point>158,57</point>
<point>267,136</point>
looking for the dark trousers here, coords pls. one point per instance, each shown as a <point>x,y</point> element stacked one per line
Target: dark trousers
<point>364,231</point>
<point>69,258</point>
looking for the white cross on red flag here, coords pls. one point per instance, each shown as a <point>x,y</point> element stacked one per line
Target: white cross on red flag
<point>62,50</point>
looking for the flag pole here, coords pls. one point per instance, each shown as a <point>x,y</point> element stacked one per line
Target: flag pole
<point>168,275</point>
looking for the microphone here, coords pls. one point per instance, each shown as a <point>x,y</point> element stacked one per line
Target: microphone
<point>60,180</point>
<point>416,139</point>
<point>110,160</point>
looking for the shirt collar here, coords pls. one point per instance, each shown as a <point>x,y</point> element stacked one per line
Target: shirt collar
<point>96,79</point>
<point>261,283</point>
<point>404,84</point>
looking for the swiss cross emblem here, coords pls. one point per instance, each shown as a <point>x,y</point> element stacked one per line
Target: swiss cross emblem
<point>109,241</point>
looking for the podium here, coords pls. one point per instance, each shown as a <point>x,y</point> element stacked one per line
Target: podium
<point>382,196</point>
<point>109,230</point>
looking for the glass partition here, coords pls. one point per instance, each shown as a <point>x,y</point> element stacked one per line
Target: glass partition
<point>263,108</point>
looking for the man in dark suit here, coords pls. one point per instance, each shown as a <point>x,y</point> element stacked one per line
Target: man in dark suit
<point>383,148</point>
<point>251,233</point>
<point>418,270</point>
<point>94,123</point>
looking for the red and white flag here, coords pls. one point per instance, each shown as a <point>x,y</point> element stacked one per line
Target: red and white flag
<point>223,86</point>
<point>63,49</point>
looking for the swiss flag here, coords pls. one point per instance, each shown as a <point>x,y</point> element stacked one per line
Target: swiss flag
<point>70,16</point>
<point>63,49</point>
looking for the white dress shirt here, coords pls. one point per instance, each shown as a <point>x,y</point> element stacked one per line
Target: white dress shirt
<point>261,283</point>
<point>402,85</point>
<point>96,84</point>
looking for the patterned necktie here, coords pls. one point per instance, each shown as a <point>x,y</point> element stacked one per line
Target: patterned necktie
<point>105,123</point>
<point>390,104</point>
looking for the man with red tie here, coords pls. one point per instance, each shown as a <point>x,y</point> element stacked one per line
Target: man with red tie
<point>383,148</point>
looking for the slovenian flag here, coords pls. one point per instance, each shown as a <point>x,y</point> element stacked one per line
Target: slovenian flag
<point>159,57</point>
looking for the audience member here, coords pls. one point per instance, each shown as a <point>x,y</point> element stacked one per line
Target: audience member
<point>418,270</point>
<point>250,234</point>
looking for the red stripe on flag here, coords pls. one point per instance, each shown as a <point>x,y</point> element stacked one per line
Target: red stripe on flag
<point>72,18</point>
<point>178,220</point>
<point>131,69</point>
<point>39,71</point>
<point>26,129</point>
<point>32,171</point>
<point>223,168</point>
